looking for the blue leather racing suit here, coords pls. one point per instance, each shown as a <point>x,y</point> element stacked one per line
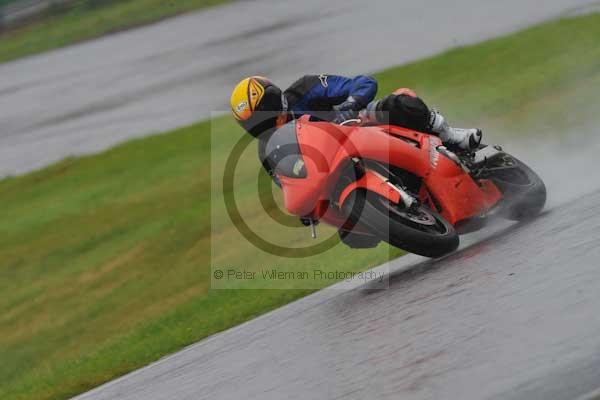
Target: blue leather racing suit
<point>318,94</point>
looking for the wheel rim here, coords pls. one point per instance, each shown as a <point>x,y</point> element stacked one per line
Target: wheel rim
<point>419,216</point>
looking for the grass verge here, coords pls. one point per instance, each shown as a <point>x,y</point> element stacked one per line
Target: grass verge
<point>105,260</point>
<point>87,20</point>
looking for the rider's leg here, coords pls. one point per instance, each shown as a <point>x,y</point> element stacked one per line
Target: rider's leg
<point>407,110</point>
<point>463,138</point>
<point>401,110</point>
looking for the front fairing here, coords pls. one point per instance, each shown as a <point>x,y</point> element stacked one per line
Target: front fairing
<point>304,156</point>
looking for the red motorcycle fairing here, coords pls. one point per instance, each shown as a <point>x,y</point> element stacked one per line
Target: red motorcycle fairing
<point>373,182</point>
<point>327,148</point>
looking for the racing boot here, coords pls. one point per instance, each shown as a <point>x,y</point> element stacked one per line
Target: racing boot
<point>464,139</point>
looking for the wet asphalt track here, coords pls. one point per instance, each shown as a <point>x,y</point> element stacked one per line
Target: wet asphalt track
<point>88,97</point>
<point>514,316</point>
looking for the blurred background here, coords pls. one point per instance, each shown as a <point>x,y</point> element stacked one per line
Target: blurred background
<point>113,125</point>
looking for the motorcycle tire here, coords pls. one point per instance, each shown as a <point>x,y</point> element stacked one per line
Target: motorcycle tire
<point>420,231</point>
<point>523,190</point>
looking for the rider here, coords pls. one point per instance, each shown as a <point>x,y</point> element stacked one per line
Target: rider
<point>337,98</point>
<point>259,106</point>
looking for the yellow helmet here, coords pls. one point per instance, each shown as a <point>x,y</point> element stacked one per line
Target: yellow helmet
<point>258,105</point>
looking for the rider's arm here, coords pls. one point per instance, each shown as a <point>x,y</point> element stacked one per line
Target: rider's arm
<point>362,88</point>
<point>321,92</point>
<point>359,91</point>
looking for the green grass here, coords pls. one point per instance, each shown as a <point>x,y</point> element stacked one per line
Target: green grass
<point>87,21</point>
<point>5,2</point>
<point>105,260</point>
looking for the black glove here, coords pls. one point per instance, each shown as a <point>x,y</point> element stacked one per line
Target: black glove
<point>347,110</point>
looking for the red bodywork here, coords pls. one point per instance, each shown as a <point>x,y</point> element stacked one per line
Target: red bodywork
<point>327,148</point>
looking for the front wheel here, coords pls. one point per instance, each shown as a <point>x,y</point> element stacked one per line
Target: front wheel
<point>418,230</point>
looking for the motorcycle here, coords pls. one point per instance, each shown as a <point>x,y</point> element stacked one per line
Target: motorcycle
<point>384,182</point>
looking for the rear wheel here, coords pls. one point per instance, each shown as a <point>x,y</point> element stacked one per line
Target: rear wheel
<point>523,190</point>
<point>418,230</point>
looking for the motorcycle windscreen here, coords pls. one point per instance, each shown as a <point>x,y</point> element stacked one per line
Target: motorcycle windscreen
<point>282,152</point>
